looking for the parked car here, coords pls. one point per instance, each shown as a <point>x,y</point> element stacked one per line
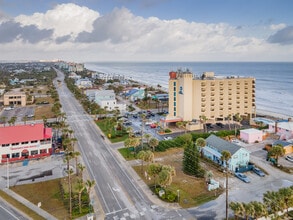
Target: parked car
<point>219,124</point>
<point>153,125</point>
<point>168,138</point>
<point>289,158</point>
<point>258,171</point>
<point>242,177</point>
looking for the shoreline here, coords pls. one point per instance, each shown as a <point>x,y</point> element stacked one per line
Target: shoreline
<point>259,112</point>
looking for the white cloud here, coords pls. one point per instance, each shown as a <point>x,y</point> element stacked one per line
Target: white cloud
<point>65,19</point>
<point>277,27</point>
<point>81,34</point>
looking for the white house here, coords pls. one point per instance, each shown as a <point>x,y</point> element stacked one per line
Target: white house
<point>214,148</point>
<point>84,83</point>
<point>105,99</point>
<point>251,135</point>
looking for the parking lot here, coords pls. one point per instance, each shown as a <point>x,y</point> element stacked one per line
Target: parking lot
<point>18,112</point>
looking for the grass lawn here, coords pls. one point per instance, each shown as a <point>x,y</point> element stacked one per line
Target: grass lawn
<point>20,206</point>
<point>127,154</point>
<point>107,127</point>
<point>48,193</point>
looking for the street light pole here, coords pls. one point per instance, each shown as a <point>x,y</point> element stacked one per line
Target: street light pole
<point>7,172</point>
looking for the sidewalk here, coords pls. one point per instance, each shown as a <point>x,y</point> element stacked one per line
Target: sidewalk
<point>28,204</point>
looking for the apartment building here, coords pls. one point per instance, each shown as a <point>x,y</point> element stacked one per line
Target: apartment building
<point>191,97</point>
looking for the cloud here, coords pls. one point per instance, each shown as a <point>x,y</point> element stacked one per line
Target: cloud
<point>117,27</point>
<point>10,31</point>
<point>73,32</point>
<point>64,19</point>
<point>283,37</point>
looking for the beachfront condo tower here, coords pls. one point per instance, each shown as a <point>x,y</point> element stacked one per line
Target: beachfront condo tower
<point>215,97</point>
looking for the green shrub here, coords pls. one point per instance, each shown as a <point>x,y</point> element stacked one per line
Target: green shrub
<point>168,130</point>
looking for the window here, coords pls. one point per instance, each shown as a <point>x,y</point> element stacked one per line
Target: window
<point>34,152</point>
<point>14,155</point>
<point>174,109</point>
<point>14,144</point>
<point>174,83</point>
<point>174,103</point>
<point>174,99</point>
<point>35,141</point>
<point>43,151</point>
<point>5,145</point>
<point>26,142</point>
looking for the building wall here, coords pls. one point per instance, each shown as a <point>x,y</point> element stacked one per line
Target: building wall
<point>212,97</point>
<point>251,137</point>
<point>14,98</point>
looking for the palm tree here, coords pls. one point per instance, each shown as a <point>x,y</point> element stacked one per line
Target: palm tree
<point>201,143</point>
<point>80,188</point>
<point>228,118</point>
<point>128,145</point>
<point>75,155</point>
<point>271,200</point>
<point>153,143</point>
<point>203,120</point>
<point>141,155</point>
<point>166,174</point>
<point>249,210</point>
<point>259,209</point>
<point>286,194</point>
<point>3,119</point>
<point>147,136</point>
<point>237,208</point>
<point>24,119</point>
<point>277,151</point>
<point>226,155</point>
<point>90,184</point>
<point>81,169</point>
<point>153,170</point>
<point>69,172</point>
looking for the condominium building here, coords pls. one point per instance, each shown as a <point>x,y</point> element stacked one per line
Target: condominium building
<point>191,97</point>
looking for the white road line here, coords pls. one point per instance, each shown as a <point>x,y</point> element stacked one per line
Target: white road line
<point>114,196</point>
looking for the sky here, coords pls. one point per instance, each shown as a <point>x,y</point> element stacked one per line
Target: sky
<point>146,30</point>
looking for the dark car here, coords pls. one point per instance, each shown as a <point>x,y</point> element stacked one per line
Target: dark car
<point>242,177</point>
<point>219,124</point>
<point>258,171</point>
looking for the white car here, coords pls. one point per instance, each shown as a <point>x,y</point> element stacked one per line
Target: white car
<point>289,158</point>
<point>168,138</point>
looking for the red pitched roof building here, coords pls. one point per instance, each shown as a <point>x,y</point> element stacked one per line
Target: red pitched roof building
<point>25,142</point>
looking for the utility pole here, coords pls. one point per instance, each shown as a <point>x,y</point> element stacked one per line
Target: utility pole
<point>226,192</point>
<point>7,172</point>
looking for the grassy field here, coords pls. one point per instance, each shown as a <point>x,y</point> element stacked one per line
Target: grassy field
<point>20,206</point>
<point>193,191</point>
<point>48,193</point>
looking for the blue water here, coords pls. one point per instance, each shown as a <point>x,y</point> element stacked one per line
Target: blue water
<point>274,81</point>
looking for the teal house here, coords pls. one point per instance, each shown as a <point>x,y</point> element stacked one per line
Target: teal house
<point>239,160</point>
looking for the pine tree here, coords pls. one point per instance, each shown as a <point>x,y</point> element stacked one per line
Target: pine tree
<point>191,165</point>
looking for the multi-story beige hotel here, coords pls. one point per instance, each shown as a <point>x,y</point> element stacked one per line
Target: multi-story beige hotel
<point>191,97</point>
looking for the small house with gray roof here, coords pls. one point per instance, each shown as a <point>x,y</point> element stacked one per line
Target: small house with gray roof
<point>214,148</point>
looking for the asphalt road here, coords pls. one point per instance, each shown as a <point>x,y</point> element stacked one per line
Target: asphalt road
<point>8,213</point>
<point>118,193</point>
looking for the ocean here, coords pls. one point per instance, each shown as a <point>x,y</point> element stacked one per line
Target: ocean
<point>274,80</point>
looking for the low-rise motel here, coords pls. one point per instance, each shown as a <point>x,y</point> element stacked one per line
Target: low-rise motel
<point>21,142</point>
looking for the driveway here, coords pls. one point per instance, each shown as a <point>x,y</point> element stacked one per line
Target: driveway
<point>246,192</point>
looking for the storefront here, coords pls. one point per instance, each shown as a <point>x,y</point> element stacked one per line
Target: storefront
<point>22,142</point>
